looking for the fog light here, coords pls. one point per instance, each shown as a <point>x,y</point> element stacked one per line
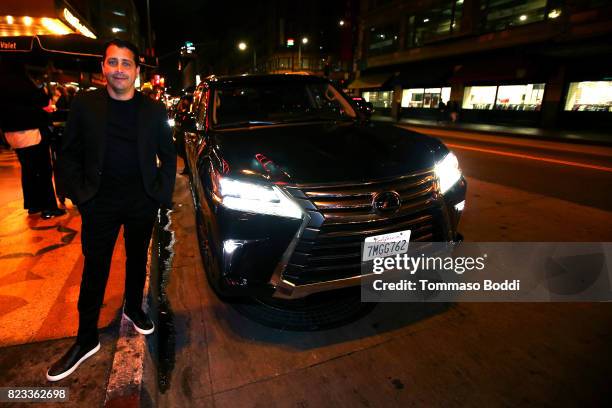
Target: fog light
<point>460,206</point>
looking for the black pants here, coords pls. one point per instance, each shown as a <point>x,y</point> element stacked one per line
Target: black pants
<point>102,217</point>
<point>36,177</point>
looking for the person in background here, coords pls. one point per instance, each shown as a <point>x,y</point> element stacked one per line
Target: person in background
<point>441,111</point>
<point>25,124</point>
<point>453,109</point>
<point>183,111</point>
<point>71,92</point>
<point>59,98</point>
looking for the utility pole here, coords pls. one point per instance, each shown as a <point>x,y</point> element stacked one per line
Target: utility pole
<point>149,26</point>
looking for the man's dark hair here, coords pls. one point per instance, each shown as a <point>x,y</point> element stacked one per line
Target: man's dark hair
<point>117,42</point>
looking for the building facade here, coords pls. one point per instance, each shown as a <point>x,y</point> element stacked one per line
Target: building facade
<point>117,19</point>
<point>542,63</point>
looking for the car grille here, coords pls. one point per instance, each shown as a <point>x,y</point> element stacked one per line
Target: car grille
<point>343,216</point>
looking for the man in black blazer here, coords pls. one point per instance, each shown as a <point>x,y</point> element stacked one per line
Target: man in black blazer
<point>117,163</point>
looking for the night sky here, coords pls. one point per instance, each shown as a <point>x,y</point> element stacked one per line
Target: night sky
<point>216,27</point>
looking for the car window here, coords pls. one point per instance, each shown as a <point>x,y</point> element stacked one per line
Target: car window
<point>278,103</point>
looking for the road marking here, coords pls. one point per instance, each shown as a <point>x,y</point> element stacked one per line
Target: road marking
<point>529,157</point>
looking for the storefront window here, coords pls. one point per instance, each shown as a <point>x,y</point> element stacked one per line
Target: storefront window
<point>383,40</point>
<point>379,99</point>
<point>589,96</point>
<point>425,97</point>
<point>520,97</point>
<point>479,97</point>
<point>526,97</point>
<point>503,14</point>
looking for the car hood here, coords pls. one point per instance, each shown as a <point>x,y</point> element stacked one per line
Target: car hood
<point>324,152</point>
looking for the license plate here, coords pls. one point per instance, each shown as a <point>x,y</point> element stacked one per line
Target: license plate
<point>381,246</point>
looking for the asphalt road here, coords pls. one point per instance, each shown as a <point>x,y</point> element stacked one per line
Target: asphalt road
<point>565,171</point>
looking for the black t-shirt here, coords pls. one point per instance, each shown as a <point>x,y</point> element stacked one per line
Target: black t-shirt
<point>121,165</point>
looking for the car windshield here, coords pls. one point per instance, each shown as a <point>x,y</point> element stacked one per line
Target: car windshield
<point>283,102</point>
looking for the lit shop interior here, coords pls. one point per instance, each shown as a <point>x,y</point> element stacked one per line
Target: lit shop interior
<point>504,103</point>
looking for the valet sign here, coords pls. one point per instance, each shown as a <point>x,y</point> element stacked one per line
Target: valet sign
<point>8,45</point>
<point>23,44</point>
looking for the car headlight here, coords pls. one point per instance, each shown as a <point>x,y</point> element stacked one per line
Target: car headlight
<point>171,122</point>
<point>447,171</point>
<point>256,198</point>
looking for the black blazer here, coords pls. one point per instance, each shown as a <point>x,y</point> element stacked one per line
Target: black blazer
<point>81,156</point>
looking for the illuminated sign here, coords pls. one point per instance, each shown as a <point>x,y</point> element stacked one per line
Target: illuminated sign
<point>189,47</point>
<point>4,45</point>
<point>290,42</point>
<point>76,23</point>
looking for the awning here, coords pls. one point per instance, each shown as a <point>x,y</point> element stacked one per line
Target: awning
<point>496,70</point>
<point>370,81</point>
<point>70,46</point>
<point>423,76</point>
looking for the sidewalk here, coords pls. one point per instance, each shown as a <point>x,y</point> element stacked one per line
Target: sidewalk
<point>567,136</point>
<point>40,273</point>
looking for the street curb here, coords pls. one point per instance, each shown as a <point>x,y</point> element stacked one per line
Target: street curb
<point>125,383</point>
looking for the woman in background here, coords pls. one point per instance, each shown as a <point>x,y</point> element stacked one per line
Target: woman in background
<point>25,124</point>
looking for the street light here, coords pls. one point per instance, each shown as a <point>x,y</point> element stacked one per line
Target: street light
<point>242,46</point>
<point>304,42</point>
<point>341,23</point>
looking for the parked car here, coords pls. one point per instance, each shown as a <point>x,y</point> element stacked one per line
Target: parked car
<point>289,177</point>
<point>363,105</point>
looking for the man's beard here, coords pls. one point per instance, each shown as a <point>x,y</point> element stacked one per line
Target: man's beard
<point>121,88</point>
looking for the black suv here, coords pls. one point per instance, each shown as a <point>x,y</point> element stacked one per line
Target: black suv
<point>289,177</point>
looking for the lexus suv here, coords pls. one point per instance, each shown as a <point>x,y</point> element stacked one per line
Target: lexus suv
<point>289,177</point>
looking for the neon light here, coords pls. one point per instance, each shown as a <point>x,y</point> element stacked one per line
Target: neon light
<point>76,23</point>
<point>55,26</point>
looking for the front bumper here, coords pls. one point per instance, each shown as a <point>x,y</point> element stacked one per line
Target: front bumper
<point>256,250</point>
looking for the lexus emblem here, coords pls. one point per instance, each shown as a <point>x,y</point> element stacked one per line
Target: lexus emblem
<point>386,202</point>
